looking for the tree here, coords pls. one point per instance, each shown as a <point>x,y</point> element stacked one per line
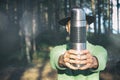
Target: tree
<point>118,16</point>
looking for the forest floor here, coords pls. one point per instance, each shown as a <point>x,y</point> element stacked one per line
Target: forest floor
<point>45,72</point>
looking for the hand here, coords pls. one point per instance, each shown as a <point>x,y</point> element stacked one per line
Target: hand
<point>88,60</point>
<point>71,57</point>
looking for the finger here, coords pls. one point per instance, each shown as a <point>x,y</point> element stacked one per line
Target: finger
<point>66,54</point>
<point>71,51</point>
<point>85,67</point>
<point>74,61</point>
<point>71,54</point>
<point>82,62</point>
<point>69,63</point>
<point>71,60</point>
<point>82,57</point>
<point>84,52</point>
<point>86,61</point>
<point>87,56</point>
<point>90,60</point>
<point>75,57</point>
<point>66,60</point>
<point>71,66</point>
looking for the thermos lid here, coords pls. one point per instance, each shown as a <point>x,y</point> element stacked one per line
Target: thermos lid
<point>78,14</point>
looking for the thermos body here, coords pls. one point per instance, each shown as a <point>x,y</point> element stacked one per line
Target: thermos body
<point>78,31</point>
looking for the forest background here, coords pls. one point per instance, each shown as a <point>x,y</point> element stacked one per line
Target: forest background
<point>29,29</point>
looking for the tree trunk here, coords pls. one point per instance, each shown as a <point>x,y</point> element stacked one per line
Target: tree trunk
<point>118,24</point>
<point>50,14</point>
<point>94,14</point>
<point>109,31</point>
<point>57,12</point>
<point>65,9</point>
<point>28,47</point>
<point>105,17</point>
<point>99,17</point>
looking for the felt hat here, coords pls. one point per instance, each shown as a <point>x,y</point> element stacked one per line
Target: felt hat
<point>89,19</point>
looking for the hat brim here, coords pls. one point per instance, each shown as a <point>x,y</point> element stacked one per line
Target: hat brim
<point>89,19</point>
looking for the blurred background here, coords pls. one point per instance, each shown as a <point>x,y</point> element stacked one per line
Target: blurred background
<point>29,29</point>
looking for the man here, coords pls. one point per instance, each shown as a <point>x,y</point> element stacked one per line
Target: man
<point>94,58</point>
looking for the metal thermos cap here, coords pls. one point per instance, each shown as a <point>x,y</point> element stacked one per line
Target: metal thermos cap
<point>78,14</point>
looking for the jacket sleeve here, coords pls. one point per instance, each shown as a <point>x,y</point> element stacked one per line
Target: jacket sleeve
<point>101,54</point>
<point>54,56</point>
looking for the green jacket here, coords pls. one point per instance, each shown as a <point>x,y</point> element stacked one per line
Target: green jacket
<point>67,74</point>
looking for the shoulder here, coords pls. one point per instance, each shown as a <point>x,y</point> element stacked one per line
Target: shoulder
<point>94,48</point>
<point>90,45</point>
<point>59,48</point>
